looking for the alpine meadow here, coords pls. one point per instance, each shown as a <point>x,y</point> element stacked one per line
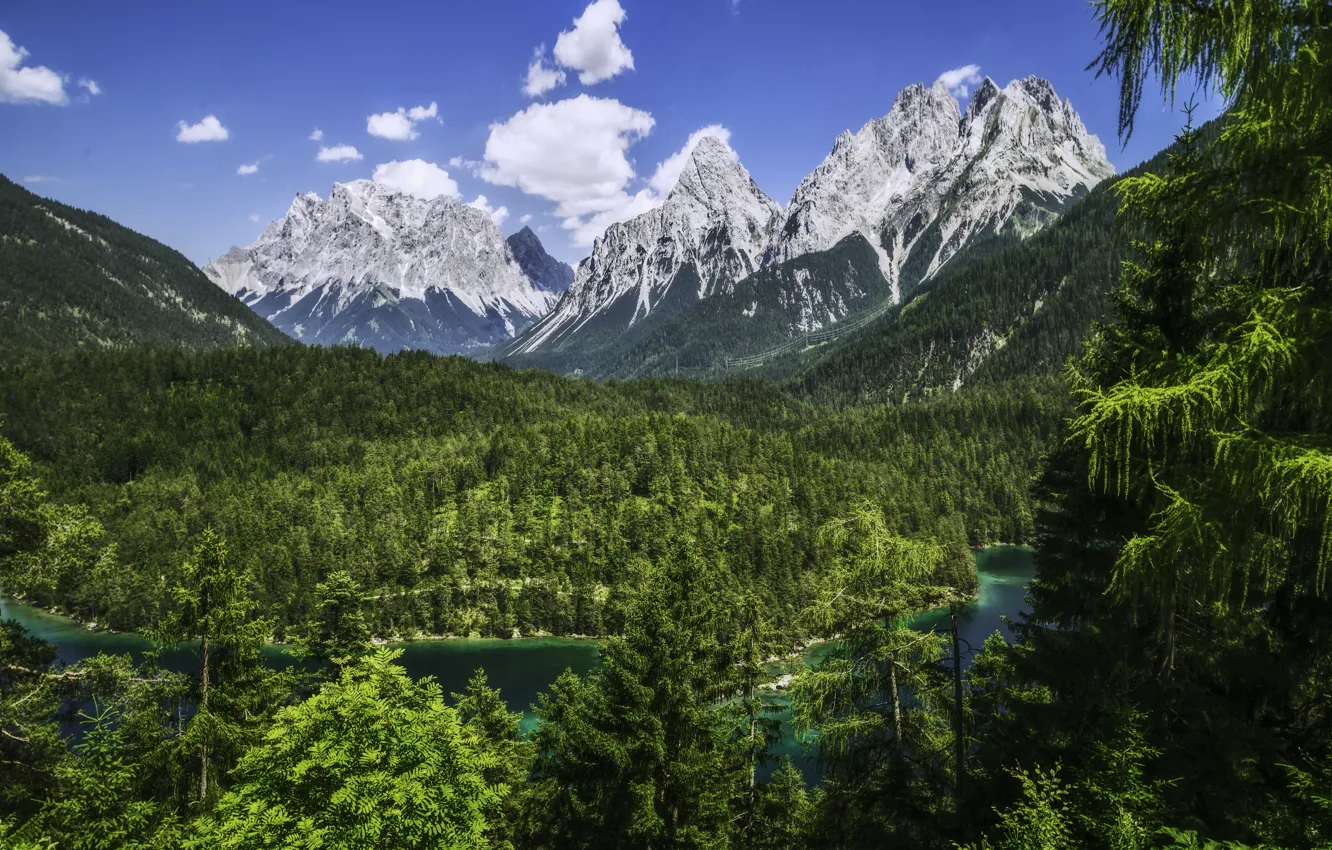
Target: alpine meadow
<point>977,497</point>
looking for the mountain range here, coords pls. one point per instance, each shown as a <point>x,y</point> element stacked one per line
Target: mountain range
<point>719,270</point>
<point>374,266</point>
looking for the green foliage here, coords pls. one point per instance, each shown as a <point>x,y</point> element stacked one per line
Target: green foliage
<point>1183,552</point>
<point>373,760</point>
<point>75,279</point>
<point>100,806</point>
<point>235,690</point>
<point>509,754</point>
<point>872,708</point>
<point>637,754</point>
<point>472,499</point>
<point>784,811</point>
<point>337,632</point>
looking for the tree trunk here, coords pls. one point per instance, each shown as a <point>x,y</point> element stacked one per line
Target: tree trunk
<point>897,706</point>
<point>203,709</point>
<point>1168,661</point>
<point>958,749</point>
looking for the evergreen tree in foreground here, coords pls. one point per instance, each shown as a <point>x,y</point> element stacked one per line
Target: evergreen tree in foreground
<point>1187,531</point>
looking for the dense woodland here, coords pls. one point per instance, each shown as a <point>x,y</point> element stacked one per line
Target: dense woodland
<point>474,499</point>
<point>1170,687</point>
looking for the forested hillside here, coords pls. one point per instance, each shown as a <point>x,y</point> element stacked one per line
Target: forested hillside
<point>473,498</point>
<point>1167,689</point>
<point>75,279</point>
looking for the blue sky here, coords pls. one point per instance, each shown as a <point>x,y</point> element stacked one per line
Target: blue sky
<point>98,99</point>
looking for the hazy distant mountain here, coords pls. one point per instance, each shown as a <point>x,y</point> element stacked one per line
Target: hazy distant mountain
<point>545,272</point>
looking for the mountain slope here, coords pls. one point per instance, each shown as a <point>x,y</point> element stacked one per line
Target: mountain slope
<point>1020,311</point>
<point>925,181</point>
<point>374,266</point>
<point>75,279</point>
<point>545,272</point>
<point>888,209</point>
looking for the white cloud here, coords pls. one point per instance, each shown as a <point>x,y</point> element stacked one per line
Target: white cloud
<point>90,85</point>
<point>41,178</point>
<point>524,219</point>
<point>401,125</point>
<point>207,130</point>
<point>456,162</point>
<point>593,47</point>
<point>541,77</point>
<point>254,217</point>
<point>668,170</point>
<point>338,153</point>
<point>18,84</point>
<point>248,168</point>
<point>417,177</point>
<point>317,135</point>
<point>571,152</point>
<point>421,113</point>
<point>496,215</point>
<point>959,80</point>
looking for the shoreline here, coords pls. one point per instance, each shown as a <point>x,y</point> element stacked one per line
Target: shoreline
<point>799,650</point>
<point>94,628</point>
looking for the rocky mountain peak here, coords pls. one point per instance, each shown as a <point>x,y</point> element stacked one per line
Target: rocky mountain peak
<point>545,272</point>
<point>377,266</point>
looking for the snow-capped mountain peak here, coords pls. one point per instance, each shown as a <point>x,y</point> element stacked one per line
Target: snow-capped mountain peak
<point>714,222</point>
<point>919,184</point>
<point>927,178</point>
<point>343,268</point>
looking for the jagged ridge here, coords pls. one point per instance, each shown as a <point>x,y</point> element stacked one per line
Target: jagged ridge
<point>375,266</point>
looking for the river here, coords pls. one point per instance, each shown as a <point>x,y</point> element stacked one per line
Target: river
<point>523,668</point>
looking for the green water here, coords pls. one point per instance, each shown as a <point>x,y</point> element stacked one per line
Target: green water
<point>519,668</point>
<point>523,668</point>
<point>1003,572</point>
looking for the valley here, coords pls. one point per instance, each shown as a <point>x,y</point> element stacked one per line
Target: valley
<point>976,497</point>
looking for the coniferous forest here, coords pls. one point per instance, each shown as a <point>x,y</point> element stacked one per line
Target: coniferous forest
<point>1171,686</point>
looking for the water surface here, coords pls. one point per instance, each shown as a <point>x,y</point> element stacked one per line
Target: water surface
<point>525,667</point>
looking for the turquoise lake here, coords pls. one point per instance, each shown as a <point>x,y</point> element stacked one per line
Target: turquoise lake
<point>523,668</point>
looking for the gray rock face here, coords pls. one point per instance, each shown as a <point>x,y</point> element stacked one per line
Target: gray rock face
<point>545,272</point>
<point>374,266</point>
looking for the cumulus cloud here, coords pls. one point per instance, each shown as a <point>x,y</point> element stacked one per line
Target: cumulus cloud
<point>208,130</point>
<point>90,86</point>
<point>541,77</point>
<point>338,153</point>
<point>30,84</point>
<point>456,162</point>
<point>960,80</point>
<point>248,168</point>
<point>496,215</point>
<point>593,47</point>
<point>525,218</point>
<point>400,125</point>
<point>317,135</point>
<point>417,177</point>
<point>41,178</point>
<point>571,152</point>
